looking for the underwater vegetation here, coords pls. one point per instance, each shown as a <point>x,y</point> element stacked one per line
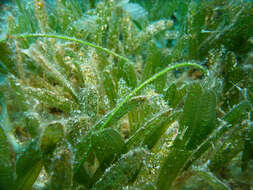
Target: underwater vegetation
<point>126,94</point>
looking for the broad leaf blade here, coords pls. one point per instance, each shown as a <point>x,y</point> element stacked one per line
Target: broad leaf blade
<point>6,170</point>
<point>171,167</point>
<point>123,172</point>
<point>128,73</point>
<point>151,132</point>
<point>212,180</point>
<point>232,117</point>
<point>107,145</point>
<point>156,131</point>
<point>105,151</point>
<point>52,99</point>
<point>110,88</point>
<point>28,166</point>
<point>51,136</point>
<point>248,148</point>
<point>206,120</point>
<point>132,104</point>
<point>62,174</point>
<point>199,116</point>
<point>197,122</point>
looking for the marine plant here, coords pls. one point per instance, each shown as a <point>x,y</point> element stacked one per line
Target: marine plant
<point>114,94</point>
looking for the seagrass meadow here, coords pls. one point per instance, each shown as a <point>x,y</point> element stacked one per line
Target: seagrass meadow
<point>126,95</point>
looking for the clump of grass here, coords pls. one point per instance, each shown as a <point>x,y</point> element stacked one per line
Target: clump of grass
<point>95,97</point>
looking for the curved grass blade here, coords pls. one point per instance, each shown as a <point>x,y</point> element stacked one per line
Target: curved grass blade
<point>119,111</point>
<point>74,40</point>
<point>148,81</point>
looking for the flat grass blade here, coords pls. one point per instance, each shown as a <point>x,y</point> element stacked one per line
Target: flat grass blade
<point>108,145</point>
<point>28,166</point>
<point>6,170</point>
<point>122,172</point>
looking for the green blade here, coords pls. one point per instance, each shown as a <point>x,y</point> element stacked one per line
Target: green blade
<point>107,144</point>
<point>6,170</point>
<point>52,134</point>
<point>199,116</point>
<point>171,167</point>
<point>28,166</point>
<point>123,172</point>
<point>62,172</point>
<point>212,180</point>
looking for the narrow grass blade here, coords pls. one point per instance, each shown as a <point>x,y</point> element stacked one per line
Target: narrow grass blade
<point>74,40</point>
<point>148,81</point>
